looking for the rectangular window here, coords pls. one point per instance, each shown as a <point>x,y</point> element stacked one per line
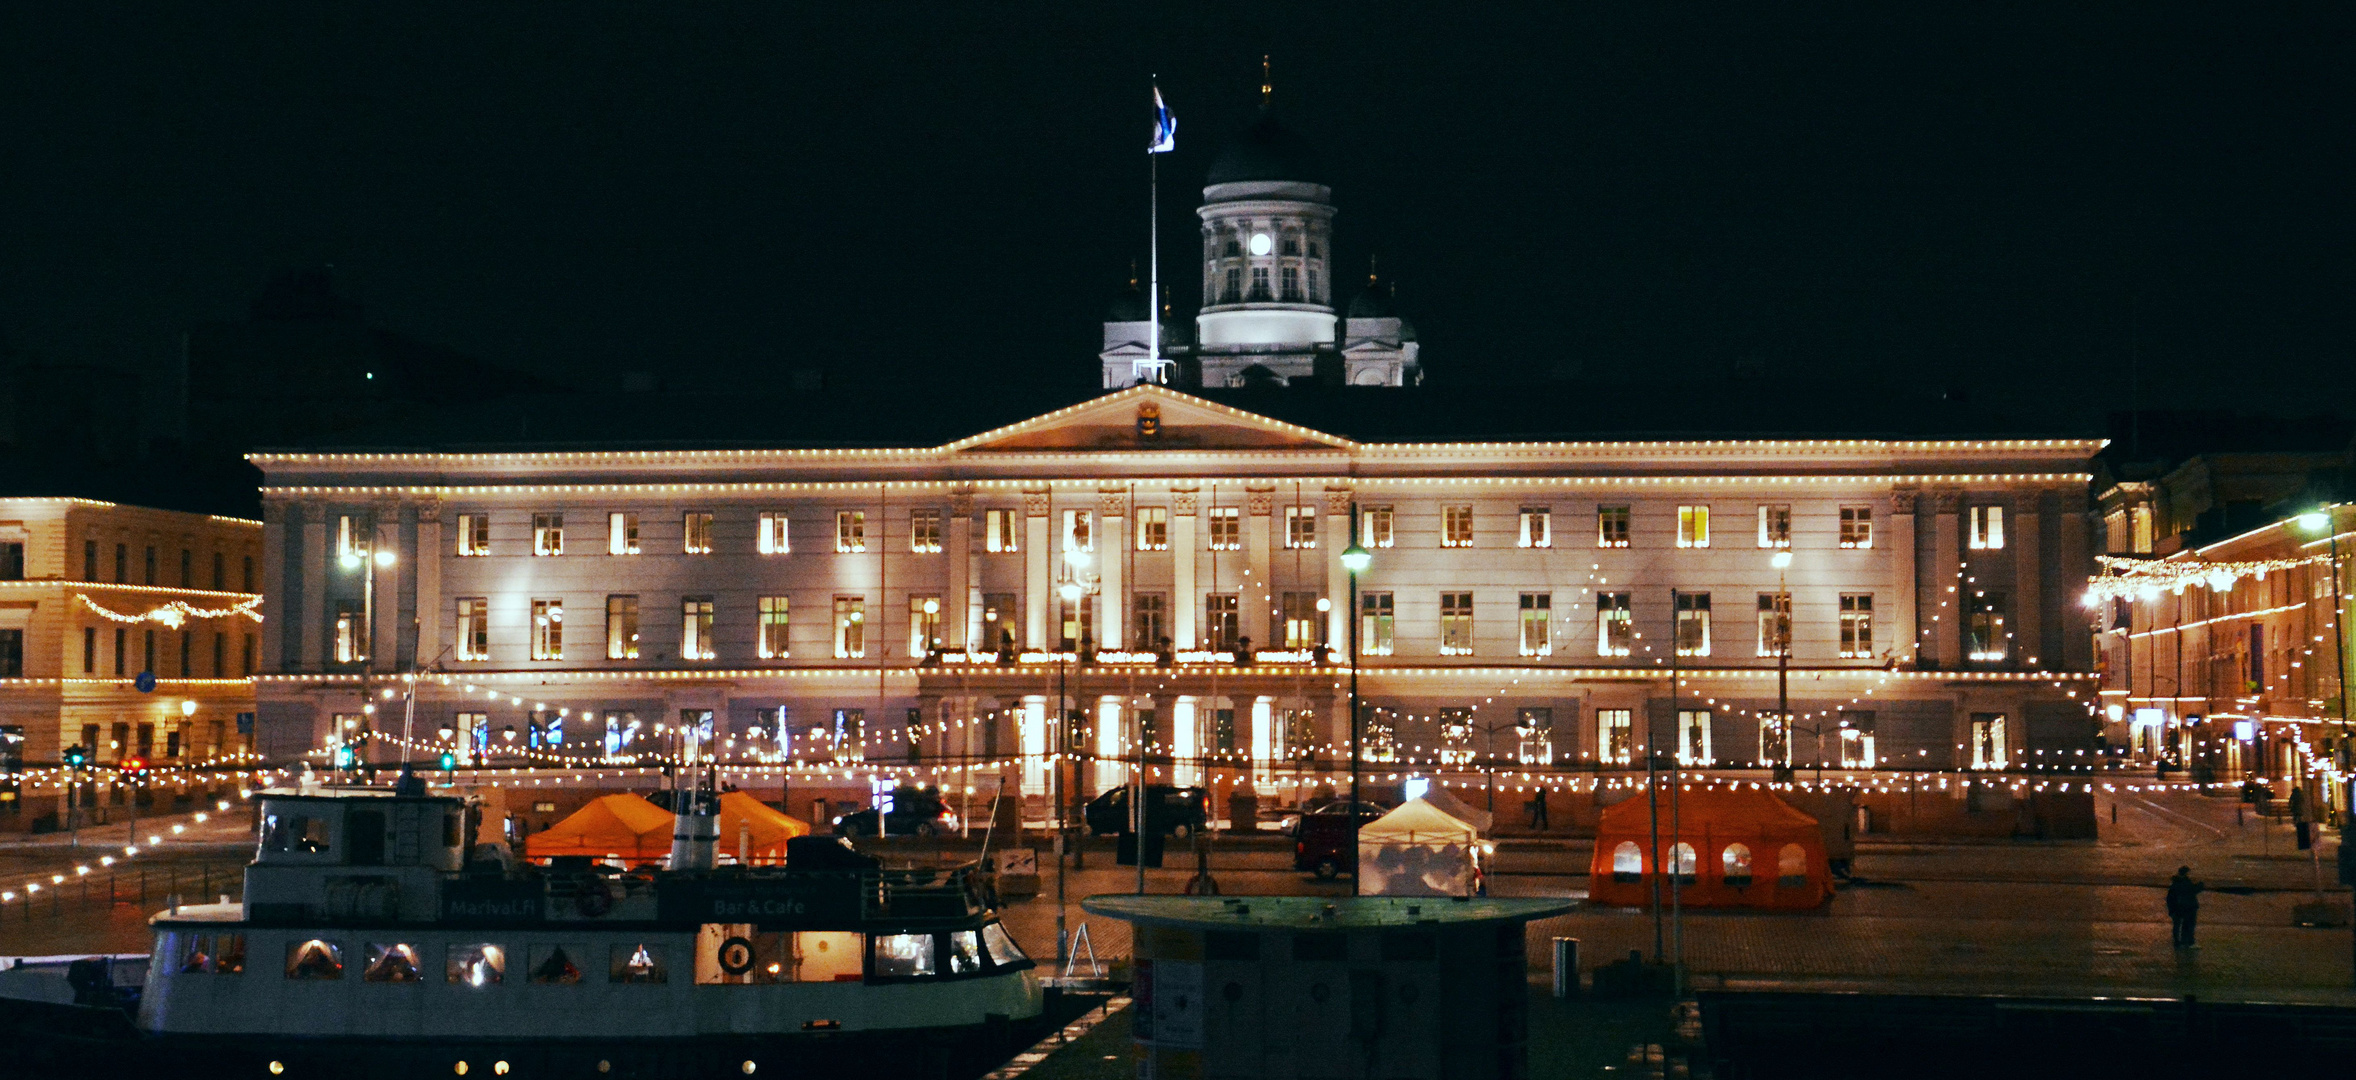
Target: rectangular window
<point>1222,625</point>
<point>1611,526</point>
<point>351,542</point>
<point>1300,527</point>
<point>776,613</point>
<point>1301,624</point>
<point>695,629</point>
<point>122,655</point>
<point>1775,526</point>
<point>1537,624</point>
<point>1987,636</point>
<point>474,628</point>
<point>1856,625</point>
<point>1988,746</point>
<point>187,643</point>
<point>12,561</point>
<point>1693,526</point>
<point>1456,526</point>
<point>474,534</point>
<point>351,645</point>
<point>90,561</point>
<point>1226,528</point>
<point>12,653</point>
<point>547,534</point>
<point>1693,737</point>
<point>695,532</point>
<point>1775,623</point>
<point>1002,531</point>
<point>1857,739</point>
<point>1151,616</point>
<point>1233,291</point>
<point>1000,614</point>
<point>220,572</point>
<point>849,736</point>
<point>1456,624</point>
<point>1260,290</point>
<point>1856,526</point>
<point>1075,623</point>
<point>89,650</point>
<point>187,568</point>
<point>547,629</point>
<point>776,535</point>
<point>1456,736</point>
<point>850,531</point>
<point>1693,624</point>
<point>220,655</point>
<point>1614,736</point>
<point>246,656</point>
<point>924,531</point>
<point>1775,743</point>
<point>1615,628</point>
<point>850,627</point>
<point>924,624</point>
<point>1376,623</point>
<point>621,628</point>
<point>1537,527</point>
<point>1153,528</point>
<point>1987,528</point>
<point>1375,527</point>
<point>1291,281</point>
<point>1078,532</point>
<point>621,533</point>
<point>1533,731</point>
<point>123,563</point>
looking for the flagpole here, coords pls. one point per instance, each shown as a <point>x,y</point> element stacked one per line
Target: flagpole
<point>1153,270</point>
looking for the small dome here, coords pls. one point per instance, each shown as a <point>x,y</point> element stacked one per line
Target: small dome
<point>1372,302</point>
<point>1129,306</point>
<point>1266,150</point>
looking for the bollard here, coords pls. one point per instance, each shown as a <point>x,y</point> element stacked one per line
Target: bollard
<point>1566,967</point>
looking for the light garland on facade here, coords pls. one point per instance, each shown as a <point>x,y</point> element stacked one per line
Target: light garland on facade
<point>176,612</point>
<point>2146,579</point>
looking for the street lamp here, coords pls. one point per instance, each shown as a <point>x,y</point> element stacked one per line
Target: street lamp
<point>1075,588</point>
<point>354,560</point>
<point>1782,561</point>
<point>2321,519</point>
<point>1355,559</point>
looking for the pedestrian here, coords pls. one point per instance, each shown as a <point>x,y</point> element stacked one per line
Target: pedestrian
<point>2300,818</point>
<point>2184,907</point>
<point>1537,807</point>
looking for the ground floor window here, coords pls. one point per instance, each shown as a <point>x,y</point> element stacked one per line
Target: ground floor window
<point>1987,741</point>
<point>1614,736</point>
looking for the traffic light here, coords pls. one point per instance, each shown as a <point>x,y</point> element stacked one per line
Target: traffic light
<point>449,761</point>
<point>343,757</point>
<point>133,766</point>
<point>77,755</point>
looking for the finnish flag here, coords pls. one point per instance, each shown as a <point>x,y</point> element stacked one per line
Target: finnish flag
<point>1165,126</point>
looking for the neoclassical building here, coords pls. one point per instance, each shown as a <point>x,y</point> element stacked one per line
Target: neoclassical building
<point>1170,569</point>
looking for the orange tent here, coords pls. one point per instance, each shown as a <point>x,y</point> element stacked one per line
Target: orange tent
<point>1735,847</point>
<point>754,832</point>
<point>625,826</point>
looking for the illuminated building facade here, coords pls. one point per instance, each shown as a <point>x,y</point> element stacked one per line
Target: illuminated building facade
<point>919,605</point>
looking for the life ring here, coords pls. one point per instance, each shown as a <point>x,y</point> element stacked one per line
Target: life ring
<point>594,899</point>
<point>736,955</point>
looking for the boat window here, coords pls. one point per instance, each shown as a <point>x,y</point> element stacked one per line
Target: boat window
<point>294,832</point>
<point>904,956</point>
<point>1003,950</point>
<point>196,953</point>
<point>965,952</point>
<point>393,963</point>
<point>736,954</point>
<point>476,965</point>
<point>229,954</point>
<point>314,959</point>
<point>828,956</point>
<point>640,963</point>
<point>556,964</point>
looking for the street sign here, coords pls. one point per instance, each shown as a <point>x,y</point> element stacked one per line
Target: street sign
<point>145,681</point>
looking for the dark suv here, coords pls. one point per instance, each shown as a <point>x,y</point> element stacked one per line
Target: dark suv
<point>1170,811</point>
<point>915,812</point>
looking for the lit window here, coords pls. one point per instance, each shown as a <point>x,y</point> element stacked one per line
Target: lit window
<point>1533,731</point>
<point>1379,739</point>
<point>1693,737</point>
<point>1693,526</point>
<point>475,965</point>
<point>1611,526</point>
<point>1775,744</point>
<point>1376,623</point>
<point>1375,525</point>
<point>1775,526</point>
<point>621,533</point>
<point>776,612</point>
<point>1456,526</point>
<point>1775,623</point>
<point>1002,531</point>
<point>351,638</point>
<point>1987,528</point>
<point>776,537</point>
<point>1988,746</point>
<point>1456,736</point>
<point>391,963</point>
<point>1456,624</point>
<point>695,532</point>
<point>850,531</point>
<point>1303,627</point>
<point>1856,526</point>
<point>1153,528</point>
<point>474,534</point>
<point>1614,736</point>
<point>621,628</point>
<point>1987,637</point>
<point>474,628</point>
<point>1078,532</point>
<point>1151,616</point>
<point>1856,625</point>
<point>351,541</point>
<point>1693,624</point>
<point>1615,632</point>
<point>695,629</point>
<point>1537,624</point>
<point>1300,527</point>
<point>547,629</point>
<point>924,624</point>
<point>1222,625</point>
<point>547,534</point>
<point>314,960</point>
<point>1226,528</point>
<point>924,531</point>
<point>1537,527</point>
<point>850,627</point>
<point>1857,739</point>
<point>637,963</point>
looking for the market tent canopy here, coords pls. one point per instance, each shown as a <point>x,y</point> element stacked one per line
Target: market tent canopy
<point>1417,821</point>
<point>1730,847</point>
<point>625,826</point>
<point>1418,850</point>
<point>1459,809</point>
<point>752,831</point>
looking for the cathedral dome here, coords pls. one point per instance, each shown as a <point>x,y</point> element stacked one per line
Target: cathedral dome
<point>1266,150</point>
<point>1372,302</point>
<point>1129,306</point>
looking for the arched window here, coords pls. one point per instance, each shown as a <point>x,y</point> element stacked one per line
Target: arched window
<point>1627,862</point>
<point>1686,864</point>
<point>1737,861</point>
<point>1791,867</point>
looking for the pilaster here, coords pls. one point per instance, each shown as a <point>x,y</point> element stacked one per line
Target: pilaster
<point>1255,599</point>
<point>306,645</point>
<point>1112,546</point>
<point>1946,577</point>
<point>1185,601</point>
<point>1038,581</point>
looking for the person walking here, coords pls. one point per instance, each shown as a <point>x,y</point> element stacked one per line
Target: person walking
<point>1537,808</point>
<point>2301,821</point>
<point>2184,907</point>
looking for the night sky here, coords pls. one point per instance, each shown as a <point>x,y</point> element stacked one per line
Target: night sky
<point>2016,202</point>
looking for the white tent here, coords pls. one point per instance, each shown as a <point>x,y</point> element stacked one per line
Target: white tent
<point>1418,850</point>
<point>1457,808</point>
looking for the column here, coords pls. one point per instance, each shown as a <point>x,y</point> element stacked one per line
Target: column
<point>1185,741</point>
<point>1033,739</point>
<point>1038,582</point>
<point>1112,725</point>
<point>277,516</point>
<point>1263,741</point>
<point>1112,544</point>
<point>428,558</point>
<point>1259,622</point>
<point>1333,534</point>
<point>384,632</point>
<point>2028,602</point>
<point>306,646</point>
<point>1905,632</point>
<point>1184,601</point>
<point>1946,575</point>
<point>956,596</point>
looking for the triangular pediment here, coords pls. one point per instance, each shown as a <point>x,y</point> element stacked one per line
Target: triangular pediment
<point>1149,418</point>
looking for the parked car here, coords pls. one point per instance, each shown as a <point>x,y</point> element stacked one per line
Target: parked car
<point>914,812</point>
<point>1291,820</point>
<point>1169,810</point>
<point>1325,843</point>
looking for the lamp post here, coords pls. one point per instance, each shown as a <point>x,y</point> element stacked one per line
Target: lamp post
<point>2324,518</point>
<point>368,564</point>
<point>1782,561</point>
<point>1355,560</point>
<point>1075,589</point>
